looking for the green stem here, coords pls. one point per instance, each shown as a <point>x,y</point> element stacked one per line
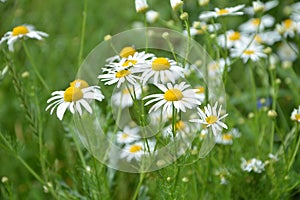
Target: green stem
<point>137,190</point>
<point>83,27</point>
<point>296,147</point>
<point>39,76</point>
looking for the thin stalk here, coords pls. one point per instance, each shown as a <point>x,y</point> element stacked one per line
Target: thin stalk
<point>137,190</point>
<point>39,76</point>
<point>296,148</point>
<point>83,27</point>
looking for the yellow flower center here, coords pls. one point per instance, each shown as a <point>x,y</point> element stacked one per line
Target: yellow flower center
<point>234,36</point>
<point>135,148</point>
<point>258,39</point>
<point>72,94</point>
<point>129,63</point>
<point>255,21</point>
<point>227,137</point>
<point>180,125</point>
<point>160,64</point>
<point>222,12</point>
<point>79,84</point>
<point>173,95</point>
<point>297,117</point>
<point>127,51</point>
<point>20,30</point>
<point>249,52</point>
<point>200,90</point>
<point>288,23</point>
<point>122,73</point>
<point>124,136</point>
<point>211,119</point>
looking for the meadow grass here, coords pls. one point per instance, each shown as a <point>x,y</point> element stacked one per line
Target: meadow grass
<point>42,157</point>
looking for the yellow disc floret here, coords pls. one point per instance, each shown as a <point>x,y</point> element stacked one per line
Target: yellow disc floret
<point>127,51</point>
<point>235,36</point>
<point>249,52</point>
<point>129,63</point>
<point>20,30</point>
<point>122,73</point>
<point>72,94</point>
<point>173,95</point>
<point>211,119</point>
<point>135,148</point>
<point>79,84</point>
<point>160,64</point>
<point>222,12</point>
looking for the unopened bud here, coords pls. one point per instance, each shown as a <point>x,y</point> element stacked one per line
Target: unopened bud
<point>184,16</point>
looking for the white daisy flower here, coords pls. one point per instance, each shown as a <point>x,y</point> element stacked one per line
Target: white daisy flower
<point>161,70</point>
<point>123,97</point>
<point>227,138</point>
<point>267,37</point>
<point>202,27</point>
<point>253,52</point>
<point>152,16</point>
<point>128,135</point>
<point>295,116</point>
<point>233,38</point>
<point>288,28</point>
<point>74,97</point>
<point>257,24</point>
<point>141,6</point>
<point>183,129</point>
<point>222,12</point>
<point>211,118</point>
<point>287,52</point>
<point>178,95</point>
<point>138,58</point>
<point>258,6</point>
<point>175,4</point>
<point>253,164</point>
<point>216,68</point>
<point>137,150</point>
<point>200,93</point>
<point>23,31</point>
<point>119,76</point>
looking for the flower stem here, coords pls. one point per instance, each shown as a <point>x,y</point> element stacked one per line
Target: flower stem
<point>83,27</point>
<point>39,76</point>
<point>137,190</point>
<point>296,148</point>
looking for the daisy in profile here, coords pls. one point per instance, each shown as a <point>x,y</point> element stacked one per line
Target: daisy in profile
<point>295,116</point>
<point>253,52</point>
<point>74,98</point>
<point>124,53</point>
<point>119,76</point>
<point>136,150</point>
<point>152,16</point>
<point>257,24</point>
<point>199,28</point>
<point>19,32</point>
<point>128,135</point>
<point>222,12</point>
<point>124,96</point>
<point>179,96</point>
<point>175,4</point>
<point>232,38</point>
<point>258,6</point>
<point>211,118</point>
<point>288,28</point>
<point>141,6</point>
<point>161,70</point>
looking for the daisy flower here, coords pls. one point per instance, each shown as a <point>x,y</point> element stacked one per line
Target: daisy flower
<point>287,28</point>
<point>175,4</point>
<point>287,52</point>
<point>202,27</point>
<point>253,52</point>
<point>200,93</point>
<point>267,37</point>
<point>182,129</point>
<point>227,138</point>
<point>128,135</point>
<point>211,118</point>
<point>258,6</point>
<point>161,70</point>
<point>178,95</point>
<point>124,53</point>
<point>222,12</point>
<point>257,24</point>
<point>253,164</point>
<point>119,76</point>
<point>141,6</point>
<point>123,97</point>
<point>295,116</point>
<point>233,38</point>
<point>23,31</point>
<point>216,68</point>
<point>137,150</point>
<point>73,98</point>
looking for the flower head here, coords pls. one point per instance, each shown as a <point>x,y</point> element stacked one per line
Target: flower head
<point>74,97</point>
<point>211,118</point>
<point>123,97</point>
<point>295,116</point>
<point>141,6</point>
<point>18,32</point>
<point>253,164</point>
<point>128,135</point>
<point>175,4</point>
<point>136,150</point>
<point>178,95</point>
<point>152,16</point>
<point>253,52</point>
<point>222,12</point>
